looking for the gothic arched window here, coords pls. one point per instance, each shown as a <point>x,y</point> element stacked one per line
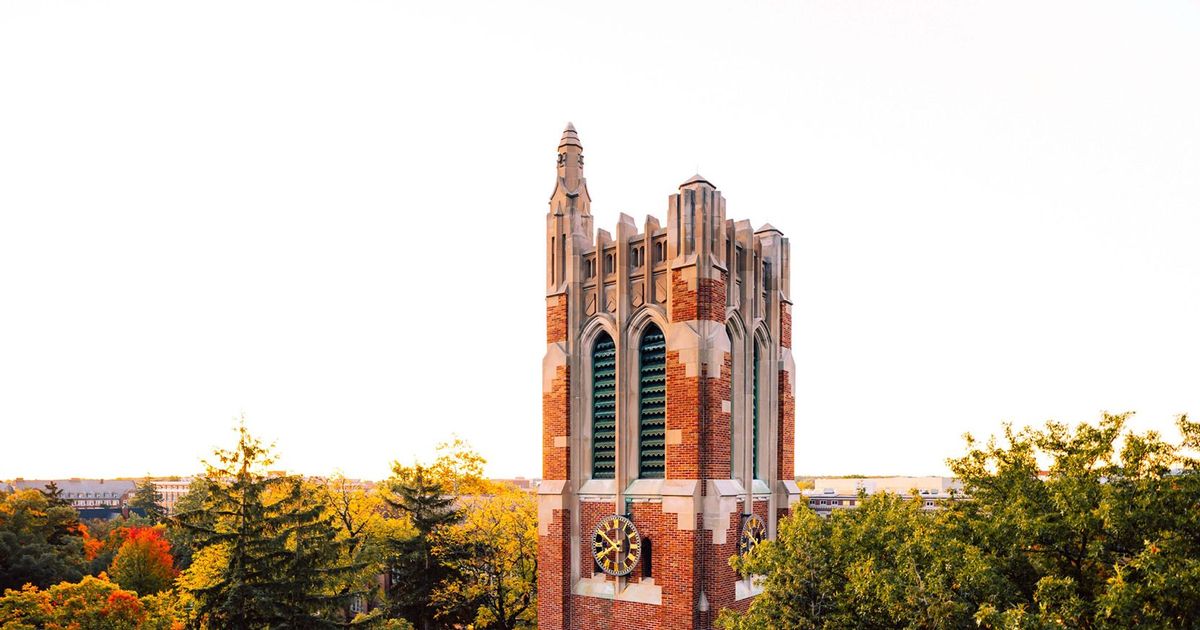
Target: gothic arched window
<point>604,407</point>
<point>733,376</point>
<point>652,404</point>
<point>754,427</point>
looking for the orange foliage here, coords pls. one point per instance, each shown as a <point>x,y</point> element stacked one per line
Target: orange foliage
<point>143,562</point>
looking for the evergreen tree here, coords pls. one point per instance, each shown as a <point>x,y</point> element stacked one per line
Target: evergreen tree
<point>268,548</point>
<point>146,501</point>
<point>420,494</point>
<point>54,495</point>
<point>40,543</point>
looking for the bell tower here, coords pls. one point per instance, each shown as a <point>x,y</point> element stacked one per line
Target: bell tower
<point>667,408</point>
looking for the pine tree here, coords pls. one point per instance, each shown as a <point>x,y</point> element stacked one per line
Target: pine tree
<point>146,500</point>
<point>415,571</point>
<point>265,549</point>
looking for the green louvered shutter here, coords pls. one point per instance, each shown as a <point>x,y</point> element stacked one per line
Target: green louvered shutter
<point>652,404</point>
<point>604,407</point>
<point>732,413</point>
<point>755,427</point>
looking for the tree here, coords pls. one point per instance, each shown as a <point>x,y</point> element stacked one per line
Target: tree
<point>146,500</point>
<point>368,533</point>
<point>265,549</point>
<point>40,543</point>
<point>54,495</point>
<point>183,539</point>
<point>426,497</point>
<point>492,555</point>
<point>90,604</point>
<point>143,563</point>
<point>1107,540</point>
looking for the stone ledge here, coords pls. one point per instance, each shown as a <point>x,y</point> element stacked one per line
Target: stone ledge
<point>598,586</point>
<point>744,589</point>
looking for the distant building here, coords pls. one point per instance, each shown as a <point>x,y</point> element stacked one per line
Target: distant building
<point>528,485</point>
<point>92,498</point>
<point>829,494</point>
<point>170,491</point>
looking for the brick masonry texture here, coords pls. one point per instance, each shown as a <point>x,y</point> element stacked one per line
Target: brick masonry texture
<point>673,569</point>
<point>556,414</point>
<point>554,576</point>
<point>787,427</point>
<point>683,408</point>
<point>718,430</point>
<point>556,318</point>
<point>706,302</point>
<point>785,325</point>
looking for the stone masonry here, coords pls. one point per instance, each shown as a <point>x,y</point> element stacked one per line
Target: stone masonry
<point>718,290</point>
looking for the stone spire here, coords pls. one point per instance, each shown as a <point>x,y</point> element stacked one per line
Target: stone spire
<point>570,160</point>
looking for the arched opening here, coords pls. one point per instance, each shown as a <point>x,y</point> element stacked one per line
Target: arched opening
<point>652,404</point>
<point>755,424</point>
<point>734,372</point>
<point>604,407</point>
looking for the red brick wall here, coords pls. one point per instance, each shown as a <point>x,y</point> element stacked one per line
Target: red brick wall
<point>787,427</point>
<point>717,433</point>
<point>556,410</point>
<point>556,414</point>
<point>785,325</point>
<point>556,318</point>
<point>554,574</point>
<point>673,570</point>
<point>719,577</point>
<point>706,302</point>
<point>683,414</point>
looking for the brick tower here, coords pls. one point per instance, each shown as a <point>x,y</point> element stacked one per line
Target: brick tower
<point>667,408</point>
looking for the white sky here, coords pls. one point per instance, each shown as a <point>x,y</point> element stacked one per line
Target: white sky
<point>329,215</point>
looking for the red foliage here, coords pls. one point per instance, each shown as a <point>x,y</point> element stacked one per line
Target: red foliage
<point>91,546</point>
<point>144,562</point>
<point>124,606</point>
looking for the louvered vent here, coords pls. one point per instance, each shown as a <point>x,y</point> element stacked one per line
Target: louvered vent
<point>652,401</point>
<point>732,414</point>
<point>604,407</point>
<point>755,427</point>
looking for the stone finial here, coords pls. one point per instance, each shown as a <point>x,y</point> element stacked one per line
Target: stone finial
<point>570,138</point>
<point>570,160</point>
<point>697,179</point>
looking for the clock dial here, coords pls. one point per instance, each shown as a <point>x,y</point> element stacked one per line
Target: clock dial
<point>754,530</point>
<point>616,545</point>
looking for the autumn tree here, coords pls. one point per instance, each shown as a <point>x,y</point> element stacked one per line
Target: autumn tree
<point>492,554</point>
<point>40,543</point>
<point>426,495</point>
<point>368,533</point>
<point>143,563</point>
<point>90,604</point>
<point>266,551</point>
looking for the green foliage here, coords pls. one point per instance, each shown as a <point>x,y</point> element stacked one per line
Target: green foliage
<point>146,500</point>
<point>266,551</point>
<point>425,496</point>
<point>492,554</point>
<point>41,542</point>
<point>1109,539</point>
<point>90,604</point>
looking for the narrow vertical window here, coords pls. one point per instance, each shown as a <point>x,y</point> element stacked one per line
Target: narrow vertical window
<point>652,404</point>
<point>754,428</point>
<point>733,376</point>
<point>604,407</point>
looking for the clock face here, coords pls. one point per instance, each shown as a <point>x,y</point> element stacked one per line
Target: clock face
<point>616,545</point>
<point>754,530</point>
